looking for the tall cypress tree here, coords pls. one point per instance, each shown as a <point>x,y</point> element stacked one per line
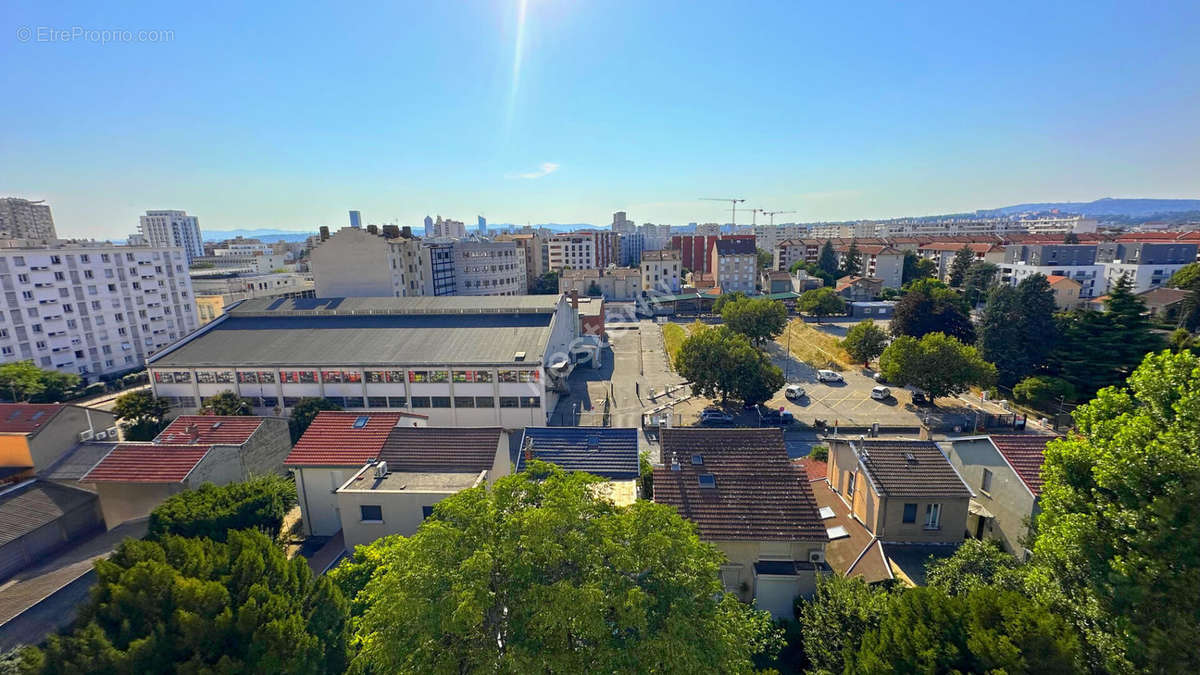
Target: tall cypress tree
<point>958,267</point>
<point>1000,337</point>
<point>852,261</point>
<point>1039,333</point>
<point>828,261</point>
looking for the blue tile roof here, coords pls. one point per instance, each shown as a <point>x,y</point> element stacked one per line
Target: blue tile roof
<point>606,452</point>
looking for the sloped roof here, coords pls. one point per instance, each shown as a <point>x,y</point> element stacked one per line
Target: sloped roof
<point>333,440</point>
<point>910,469</point>
<point>441,449</point>
<point>147,463</point>
<point>604,451</point>
<point>24,509</point>
<point>210,430</point>
<point>76,462</point>
<point>736,246</point>
<point>1025,453</point>
<point>23,418</point>
<point>758,494</point>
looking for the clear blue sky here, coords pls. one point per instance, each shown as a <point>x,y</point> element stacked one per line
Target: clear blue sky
<point>278,117</point>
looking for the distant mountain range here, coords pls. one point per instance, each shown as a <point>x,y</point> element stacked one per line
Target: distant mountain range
<point>1103,207</point>
<point>265,235</point>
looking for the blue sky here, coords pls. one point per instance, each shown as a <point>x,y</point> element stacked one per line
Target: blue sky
<point>257,116</point>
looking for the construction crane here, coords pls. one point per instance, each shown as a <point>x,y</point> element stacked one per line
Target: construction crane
<point>772,214</point>
<point>754,216</point>
<point>733,202</point>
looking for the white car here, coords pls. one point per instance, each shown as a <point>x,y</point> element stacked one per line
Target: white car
<point>794,392</point>
<point>881,393</point>
<point>829,376</point>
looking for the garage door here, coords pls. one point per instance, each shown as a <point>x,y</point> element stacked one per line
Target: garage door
<point>775,594</point>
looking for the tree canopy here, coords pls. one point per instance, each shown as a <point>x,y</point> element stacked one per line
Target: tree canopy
<point>1040,391</point>
<point>821,302</point>
<point>196,605</point>
<point>978,280</point>
<point>22,381</point>
<point>719,303</point>
<point>976,563</point>
<point>540,574</point>
<point>930,307</point>
<point>547,284</point>
<point>916,267</point>
<point>1188,278</point>
<point>851,261</point>
<point>937,364</point>
<point>305,411</point>
<point>226,403</point>
<point>865,341</point>
<point>211,511</point>
<point>759,319</point>
<point>766,259</point>
<point>143,413</point>
<point>834,620</point>
<point>827,260</point>
<point>959,266</point>
<point>721,363</point>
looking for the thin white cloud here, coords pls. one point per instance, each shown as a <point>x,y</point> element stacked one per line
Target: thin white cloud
<point>545,169</point>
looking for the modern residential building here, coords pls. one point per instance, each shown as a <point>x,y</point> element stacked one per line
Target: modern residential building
<point>497,360</point>
<point>371,263</point>
<point>1077,261</point>
<point>615,284</point>
<point>240,246</point>
<point>695,249</point>
<point>879,261</point>
<point>583,250</point>
<point>745,497</point>
<point>610,453</point>
<point>485,267</point>
<point>24,219</point>
<point>1005,473</point>
<point>173,229</point>
<point>446,229</point>
<point>1147,265</point>
<point>91,308</point>
<point>734,265</point>
<point>661,271</point>
<point>533,248</point>
<point>942,253</point>
<point>654,237</point>
<point>239,263</point>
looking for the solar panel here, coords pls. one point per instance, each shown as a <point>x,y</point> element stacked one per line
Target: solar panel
<point>707,480</point>
<point>697,459</point>
<point>360,421</point>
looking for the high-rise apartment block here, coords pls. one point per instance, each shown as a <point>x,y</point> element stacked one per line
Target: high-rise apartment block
<point>23,219</point>
<point>588,249</point>
<point>173,229</point>
<point>447,229</point>
<point>90,308</point>
<point>734,265</point>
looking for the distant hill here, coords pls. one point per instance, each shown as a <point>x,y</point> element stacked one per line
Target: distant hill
<point>1103,207</point>
<point>265,235</point>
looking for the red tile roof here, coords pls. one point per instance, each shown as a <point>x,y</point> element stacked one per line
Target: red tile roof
<point>22,418</point>
<point>147,463</point>
<point>332,440</point>
<point>1058,278</point>
<point>210,430</point>
<point>757,495</point>
<point>814,469</point>
<point>447,449</point>
<point>1025,453</point>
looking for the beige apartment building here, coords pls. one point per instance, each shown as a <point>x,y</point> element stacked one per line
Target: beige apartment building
<point>370,263</point>
<point>734,265</point>
<point>661,271</point>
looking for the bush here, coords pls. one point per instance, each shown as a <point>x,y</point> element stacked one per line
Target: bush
<point>142,430</point>
<point>211,511</point>
<point>819,453</point>
<point>1041,390</point>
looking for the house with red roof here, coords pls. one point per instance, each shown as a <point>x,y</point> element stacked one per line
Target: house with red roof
<point>34,436</point>
<point>335,447</point>
<point>134,478</point>
<point>1066,291</point>
<point>1005,472</point>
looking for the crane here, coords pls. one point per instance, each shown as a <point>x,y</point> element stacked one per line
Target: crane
<point>733,202</point>
<point>772,214</point>
<point>754,216</point>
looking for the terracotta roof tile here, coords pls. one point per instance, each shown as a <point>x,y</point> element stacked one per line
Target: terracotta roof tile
<point>147,463</point>
<point>210,430</point>
<point>438,449</point>
<point>757,494</point>
<point>910,469</point>
<point>333,440</point>
<point>18,418</point>
<point>1025,452</point>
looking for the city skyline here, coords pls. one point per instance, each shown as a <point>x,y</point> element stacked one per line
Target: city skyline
<point>838,114</point>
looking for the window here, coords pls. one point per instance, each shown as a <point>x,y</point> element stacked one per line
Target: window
<point>439,402</point>
<point>850,486</point>
<point>370,513</point>
<point>420,401</point>
<point>360,422</point>
<point>510,402</point>
<point>331,376</point>
<point>987,480</point>
<point>385,376</point>
<point>377,402</point>
<point>531,401</point>
<point>397,402</point>
<point>426,511</point>
<point>299,376</point>
<point>508,376</point>
<point>485,402</point>
<point>464,401</point>
<point>933,516</point>
<point>910,513</point>
<point>707,480</point>
<point>472,376</point>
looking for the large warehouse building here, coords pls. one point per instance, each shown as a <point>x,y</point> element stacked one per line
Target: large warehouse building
<point>461,361</point>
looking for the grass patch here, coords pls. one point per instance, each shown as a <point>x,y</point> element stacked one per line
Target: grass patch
<point>816,348</point>
<point>674,335</point>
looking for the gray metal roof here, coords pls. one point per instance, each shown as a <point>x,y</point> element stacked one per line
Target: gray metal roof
<point>77,461</point>
<point>399,306</point>
<point>25,508</point>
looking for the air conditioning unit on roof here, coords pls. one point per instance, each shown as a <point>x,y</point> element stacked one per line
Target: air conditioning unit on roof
<point>816,557</point>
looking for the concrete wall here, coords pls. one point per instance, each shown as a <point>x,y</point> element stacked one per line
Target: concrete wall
<point>126,501</point>
<point>62,434</point>
<point>893,529</point>
<point>1009,500</point>
<point>316,488</point>
<point>742,555</point>
<point>402,513</point>
<point>267,448</point>
<point>352,263</point>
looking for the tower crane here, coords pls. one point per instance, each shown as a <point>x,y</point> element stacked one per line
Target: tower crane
<point>772,214</point>
<point>733,203</point>
<point>754,216</point>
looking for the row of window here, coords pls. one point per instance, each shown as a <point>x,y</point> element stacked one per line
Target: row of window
<point>384,401</point>
<point>373,513</point>
<point>343,376</point>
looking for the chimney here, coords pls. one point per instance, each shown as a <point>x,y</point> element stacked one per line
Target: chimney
<point>575,298</point>
<point>391,231</point>
<point>324,232</point>
<point>193,432</point>
<point>406,232</point>
<point>373,229</point>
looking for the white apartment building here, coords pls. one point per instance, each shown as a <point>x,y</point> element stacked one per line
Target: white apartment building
<point>767,237</point>
<point>24,219</point>
<point>166,229</point>
<point>362,263</point>
<point>446,229</point>
<point>580,250</point>
<point>655,237</point>
<point>92,308</point>
<point>244,248</point>
<point>661,271</point>
<point>1056,224</point>
<point>734,265</point>
<point>488,268</point>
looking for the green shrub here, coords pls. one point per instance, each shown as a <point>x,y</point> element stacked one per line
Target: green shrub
<point>211,511</point>
<point>1040,391</point>
<point>819,453</point>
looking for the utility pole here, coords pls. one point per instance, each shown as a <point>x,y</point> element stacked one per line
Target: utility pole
<point>733,205</point>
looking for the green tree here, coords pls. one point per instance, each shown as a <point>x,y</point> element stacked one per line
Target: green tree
<point>959,266</point>
<point>305,411</point>
<point>547,284</point>
<point>1118,531</point>
<point>821,302</point>
<point>226,403</point>
<point>865,341</point>
<point>1181,340</point>
<point>814,271</point>
<point>541,574</point>
<point>143,414</point>
<point>937,364</point>
<point>827,260</point>
<point>21,380</point>
<point>975,564</point>
<point>211,511</point>
<point>1036,320</point>
<point>924,630</point>
<point>851,261</point>
<point>594,290</point>
<point>196,605</point>
<point>57,386</point>
<point>916,267</point>
<point>766,260</point>
<point>721,363</point>
<point>978,281</point>
<point>1040,391</point>
<point>930,307</point>
<point>1000,338</point>
<point>759,319</point>
<point>719,303</point>
<point>833,622</point>
<point>1188,278</point>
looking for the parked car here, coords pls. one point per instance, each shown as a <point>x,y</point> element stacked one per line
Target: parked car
<point>919,398</point>
<point>878,377</point>
<point>881,393</point>
<point>715,416</point>
<point>829,376</point>
<point>794,392</point>
<point>773,416</point>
